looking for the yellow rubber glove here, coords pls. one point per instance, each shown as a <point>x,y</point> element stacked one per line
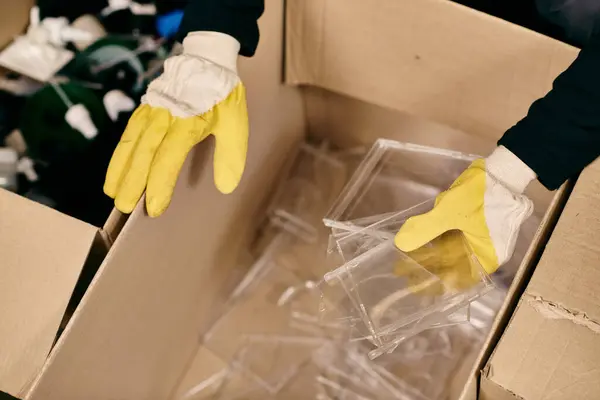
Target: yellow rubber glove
<point>199,94</point>
<point>486,204</point>
<point>449,258</point>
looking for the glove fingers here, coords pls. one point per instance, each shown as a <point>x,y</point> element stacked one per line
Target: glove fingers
<point>422,229</point>
<point>183,135</point>
<point>230,128</point>
<point>134,181</point>
<point>121,157</point>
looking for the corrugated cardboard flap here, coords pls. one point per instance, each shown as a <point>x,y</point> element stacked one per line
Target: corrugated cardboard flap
<point>432,58</point>
<point>42,253</point>
<point>551,348</point>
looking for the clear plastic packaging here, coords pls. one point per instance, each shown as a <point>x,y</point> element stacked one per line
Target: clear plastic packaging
<point>394,176</point>
<point>264,309</point>
<point>397,176</point>
<point>483,312</point>
<point>314,181</point>
<point>272,321</point>
<point>308,261</point>
<point>351,244</point>
<point>397,293</point>
<point>345,370</point>
<point>429,373</point>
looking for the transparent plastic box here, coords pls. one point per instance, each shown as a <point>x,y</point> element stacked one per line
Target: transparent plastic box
<point>394,176</point>
<point>395,292</point>
<point>350,244</point>
<point>395,181</point>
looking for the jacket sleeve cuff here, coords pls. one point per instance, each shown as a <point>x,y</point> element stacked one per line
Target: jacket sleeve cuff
<point>509,170</point>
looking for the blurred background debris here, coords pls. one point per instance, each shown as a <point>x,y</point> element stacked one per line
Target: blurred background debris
<point>71,81</point>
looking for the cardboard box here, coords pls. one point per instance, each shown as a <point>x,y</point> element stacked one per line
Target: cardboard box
<point>428,71</point>
<point>550,348</point>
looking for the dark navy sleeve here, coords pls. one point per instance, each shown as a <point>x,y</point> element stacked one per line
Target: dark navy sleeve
<point>237,18</point>
<point>561,133</point>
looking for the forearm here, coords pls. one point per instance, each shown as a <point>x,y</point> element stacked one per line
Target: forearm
<point>237,18</point>
<point>561,133</point>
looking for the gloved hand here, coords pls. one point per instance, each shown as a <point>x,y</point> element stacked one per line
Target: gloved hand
<point>198,94</point>
<point>486,203</point>
<point>449,258</point>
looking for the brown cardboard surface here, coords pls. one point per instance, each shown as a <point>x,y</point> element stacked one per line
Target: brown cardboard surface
<point>570,276</point>
<point>113,225</point>
<point>550,348</point>
<point>165,279</point>
<point>493,391</point>
<point>431,58</point>
<point>16,18</point>
<point>550,359</point>
<point>42,253</point>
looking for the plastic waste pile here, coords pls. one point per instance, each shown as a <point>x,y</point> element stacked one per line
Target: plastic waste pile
<point>328,308</point>
<point>74,77</point>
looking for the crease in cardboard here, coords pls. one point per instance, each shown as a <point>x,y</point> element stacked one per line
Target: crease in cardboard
<point>487,371</point>
<point>516,396</point>
<point>492,390</point>
<point>553,310</point>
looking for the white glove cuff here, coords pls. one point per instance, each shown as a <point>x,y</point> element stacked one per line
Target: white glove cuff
<point>218,48</point>
<point>509,170</point>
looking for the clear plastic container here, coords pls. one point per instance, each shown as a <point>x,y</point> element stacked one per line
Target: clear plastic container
<point>351,244</point>
<point>397,293</point>
<point>394,176</point>
<point>483,312</point>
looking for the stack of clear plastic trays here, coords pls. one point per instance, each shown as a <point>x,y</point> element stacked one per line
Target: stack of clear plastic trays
<point>394,176</point>
<point>398,295</point>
